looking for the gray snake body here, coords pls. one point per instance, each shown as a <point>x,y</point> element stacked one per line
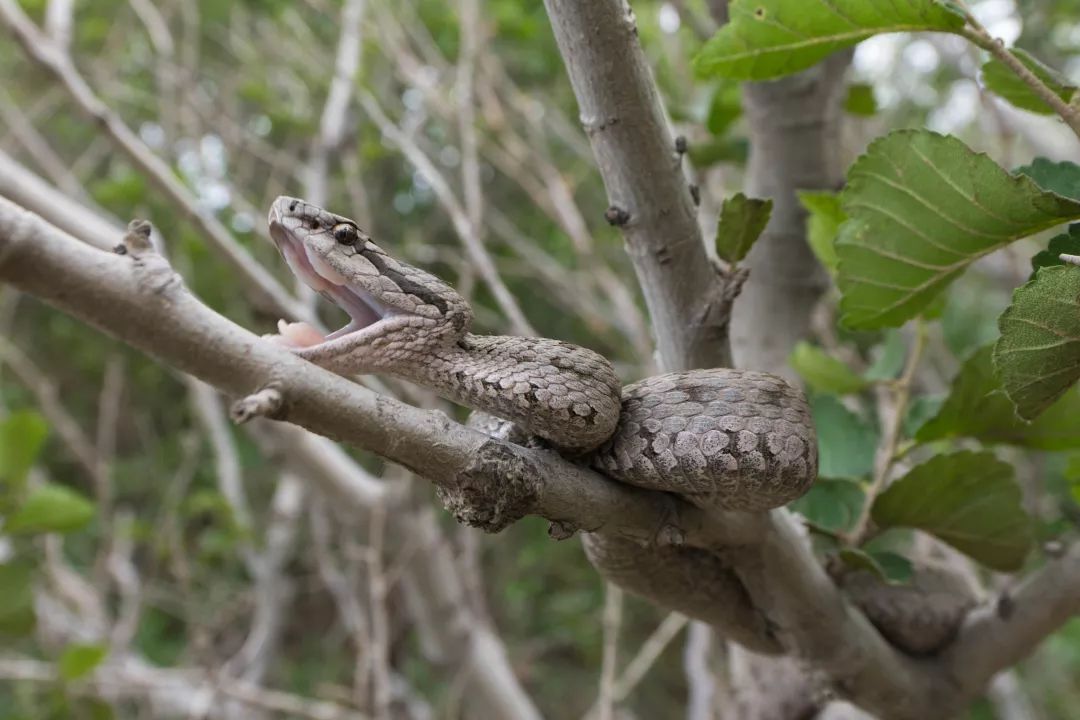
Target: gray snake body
<point>731,439</point>
<point>736,439</point>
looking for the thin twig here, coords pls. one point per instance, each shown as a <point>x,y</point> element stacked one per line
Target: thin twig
<point>612,624</point>
<point>978,34</point>
<point>893,402</point>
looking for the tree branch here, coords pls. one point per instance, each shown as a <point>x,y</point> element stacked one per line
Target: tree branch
<point>650,198</point>
<point>139,299</point>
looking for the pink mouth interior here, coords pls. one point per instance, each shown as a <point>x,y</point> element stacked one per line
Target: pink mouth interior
<point>364,310</point>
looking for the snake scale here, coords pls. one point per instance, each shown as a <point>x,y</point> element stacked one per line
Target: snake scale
<point>734,439</point>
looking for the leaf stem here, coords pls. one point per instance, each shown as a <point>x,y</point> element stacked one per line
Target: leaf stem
<point>980,36</point>
<point>893,401</point>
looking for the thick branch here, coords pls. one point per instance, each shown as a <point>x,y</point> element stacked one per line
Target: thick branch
<point>649,195</point>
<point>1004,632</point>
<point>140,300</point>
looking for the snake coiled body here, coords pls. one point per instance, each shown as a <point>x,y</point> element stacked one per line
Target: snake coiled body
<point>735,439</point>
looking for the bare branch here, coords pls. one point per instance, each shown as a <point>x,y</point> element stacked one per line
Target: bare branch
<point>45,53</point>
<point>466,231</point>
<point>635,152</point>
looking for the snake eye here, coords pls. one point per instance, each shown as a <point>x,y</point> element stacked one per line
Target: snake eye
<point>345,233</point>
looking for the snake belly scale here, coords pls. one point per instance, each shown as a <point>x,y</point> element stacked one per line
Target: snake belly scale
<point>736,439</point>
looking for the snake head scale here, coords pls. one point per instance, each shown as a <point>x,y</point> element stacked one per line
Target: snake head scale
<point>392,306</point>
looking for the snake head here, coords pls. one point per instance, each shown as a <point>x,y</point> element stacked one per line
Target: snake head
<point>392,305</point>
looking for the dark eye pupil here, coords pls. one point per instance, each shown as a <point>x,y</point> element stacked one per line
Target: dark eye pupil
<point>345,234</point>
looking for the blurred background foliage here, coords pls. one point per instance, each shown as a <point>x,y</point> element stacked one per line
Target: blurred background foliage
<point>233,105</point>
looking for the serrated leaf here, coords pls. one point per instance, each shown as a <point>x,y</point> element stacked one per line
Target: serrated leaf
<point>22,435</point>
<point>845,442</point>
<point>78,660</point>
<point>976,407</point>
<point>968,500</point>
<point>17,599</point>
<point>725,107</point>
<point>887,566</point>
<point>742,220</point>
<point>1067,242</point>
<point>823,224</point>
<point>1062,177</point>
<point>823,372</point>
<point>50,508</point>
<point>769,38</point>
<point>832,504</point>
<point>1007,85</point>
<point>1037,356</point>
<point>860,100</point>
<point>923,207</point>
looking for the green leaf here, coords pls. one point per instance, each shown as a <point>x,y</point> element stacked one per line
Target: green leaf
<point>1038,354</point>
<point>889,360</point>
<point>50,508</point>
<point>832,504</point>
<point>968,500</point>
<point>78,661</point>
<point>22,435</point>
<point>888,566</point>
<point>920,410</point>
<point>823,372</point>
<point>822,226</point>
<point>742,220</point>
<point>1072,467</point>
<point>976,407</point>
<point>730,150</point>
<point>860,100</point>
<point>845,442</point>
<point>1005,83</point>
<point>1062,177</point>
<point>770,38</point>
<point>724,108</point>
<point>17,599</point>
<point>923,207</point>
<point>1067,242</point>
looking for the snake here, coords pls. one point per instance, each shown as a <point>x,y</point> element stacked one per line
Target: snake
<point>727,438</point>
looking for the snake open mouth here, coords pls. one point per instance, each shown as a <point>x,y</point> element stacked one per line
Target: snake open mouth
<point>365,312</point>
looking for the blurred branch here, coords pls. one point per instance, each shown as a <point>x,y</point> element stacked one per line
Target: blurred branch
<point>611,620</point>
<point>700,679</point>
<point>620,687</point>
<point>338,98</point>
<point>1003,632</point>
<point>30,191</point>
<point>466,231</point>
<point>49,56</point>
<point>44,390</point>
<point>176,691</point>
